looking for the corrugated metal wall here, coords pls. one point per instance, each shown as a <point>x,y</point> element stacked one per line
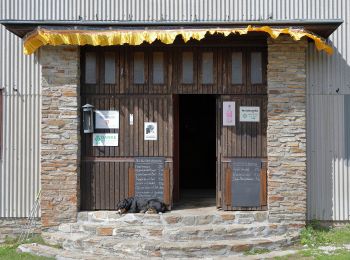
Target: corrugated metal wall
<point>328,82</point>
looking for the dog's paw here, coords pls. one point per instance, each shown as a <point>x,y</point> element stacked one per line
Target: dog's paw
<point>151,211</point>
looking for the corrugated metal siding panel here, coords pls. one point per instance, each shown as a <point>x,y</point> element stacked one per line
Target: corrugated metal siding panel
<point>19,167</point>
<point>325,75</point>
<point>328,157</point>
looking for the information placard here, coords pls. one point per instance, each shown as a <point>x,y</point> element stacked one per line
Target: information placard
<point>245,183</point>
<point>150,131</point>
<point>106,119</point>
<point>228,113</point>
<point>105,139</point>
<point>249,114</point>
<point>149,178</point>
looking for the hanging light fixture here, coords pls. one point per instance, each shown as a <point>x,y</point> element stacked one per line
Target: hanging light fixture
<point>88,118</point>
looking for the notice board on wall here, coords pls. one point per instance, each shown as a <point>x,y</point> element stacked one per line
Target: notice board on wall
<point>245,182</point>
<point>149,177</point>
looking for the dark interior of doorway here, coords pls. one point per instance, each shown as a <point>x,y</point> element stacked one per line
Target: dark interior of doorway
<point>197,143</point>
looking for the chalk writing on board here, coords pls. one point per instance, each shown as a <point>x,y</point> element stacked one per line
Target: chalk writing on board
<point>245,182</point>
<point>149,180</point>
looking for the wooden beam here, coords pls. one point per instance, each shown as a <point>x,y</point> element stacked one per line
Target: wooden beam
<point>228,192</point>
<point>167,186</point>
<point>263,187</point>
<point>131,191</point>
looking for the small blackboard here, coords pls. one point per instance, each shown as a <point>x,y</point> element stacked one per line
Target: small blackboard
<point>245,185</point>
<point>149,178</point>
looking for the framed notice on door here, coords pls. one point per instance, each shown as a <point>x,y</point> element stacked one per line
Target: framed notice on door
<point>150,131</point>
<point>228,113</point>
<point>249,114</point>
<point>107,119</point>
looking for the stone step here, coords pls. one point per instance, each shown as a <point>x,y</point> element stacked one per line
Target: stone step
<point>176,233</point>
<point>173,218</point>
<point>109,246</point>
<point>47,251</point>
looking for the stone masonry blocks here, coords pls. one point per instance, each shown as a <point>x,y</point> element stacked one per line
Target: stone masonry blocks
<point>60,134</point>
<point>286,131</point>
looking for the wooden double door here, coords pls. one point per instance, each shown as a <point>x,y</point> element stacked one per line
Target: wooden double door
<point>144,84</point>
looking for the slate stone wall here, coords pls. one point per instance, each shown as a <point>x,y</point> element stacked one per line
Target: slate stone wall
<point>286,132</point>
<point>60,134</point>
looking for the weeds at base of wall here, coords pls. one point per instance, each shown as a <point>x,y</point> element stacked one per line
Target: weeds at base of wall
<point>8,249</point>
<point>323,243</point>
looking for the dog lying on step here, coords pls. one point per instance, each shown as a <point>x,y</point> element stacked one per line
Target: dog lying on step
<point>134,205</point>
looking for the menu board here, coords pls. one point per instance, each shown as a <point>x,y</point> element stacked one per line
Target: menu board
<point>149,179</point>
<point>245,183</point>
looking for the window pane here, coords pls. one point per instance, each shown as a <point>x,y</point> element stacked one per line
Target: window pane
<point>110,68</point>
<point>256,68</point>
<point>158,68</point>
<point>187,67</point>
<point>90,68</point>
<point>139,68</point>
<point>207,68</point>
<point>236,68</point>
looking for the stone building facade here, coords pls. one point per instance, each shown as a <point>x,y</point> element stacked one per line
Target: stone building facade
<point>286,133</point>
<point>60,135</point>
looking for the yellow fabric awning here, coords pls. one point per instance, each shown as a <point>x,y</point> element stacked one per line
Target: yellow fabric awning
<point>47,36</point>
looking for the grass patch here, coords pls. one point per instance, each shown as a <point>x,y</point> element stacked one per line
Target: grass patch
<point>257,251</point>
<point>315,235</point>
<point>8,250</point>
<point>337,255</point>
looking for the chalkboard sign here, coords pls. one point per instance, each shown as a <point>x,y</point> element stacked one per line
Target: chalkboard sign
<point>149,179</point>
<point>245,183</point>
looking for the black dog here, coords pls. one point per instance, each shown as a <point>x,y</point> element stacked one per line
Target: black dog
<point>134,205</point>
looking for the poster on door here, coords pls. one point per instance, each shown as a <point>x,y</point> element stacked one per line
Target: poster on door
<point>105,139</point>
<point>107,119</point>
<point>249,114</point>
<point>150,131</point>
<point>229,118</point>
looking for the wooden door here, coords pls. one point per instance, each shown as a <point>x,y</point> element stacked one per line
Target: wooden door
<point>244,80</point>
<point>109,83</point>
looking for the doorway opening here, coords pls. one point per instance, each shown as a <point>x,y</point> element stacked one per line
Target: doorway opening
<point>197,145</point>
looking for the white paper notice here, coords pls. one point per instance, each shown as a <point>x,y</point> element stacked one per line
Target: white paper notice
<point>105,139</point>
<point>228,113</point>
<point>249,114</point>
<point>107,119</point>
<point>150,131</point>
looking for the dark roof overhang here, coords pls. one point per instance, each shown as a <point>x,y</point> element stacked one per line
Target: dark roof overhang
<point>21,28</point>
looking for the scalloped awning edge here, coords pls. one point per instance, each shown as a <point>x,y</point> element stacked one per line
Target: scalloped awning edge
<point>54,37</point>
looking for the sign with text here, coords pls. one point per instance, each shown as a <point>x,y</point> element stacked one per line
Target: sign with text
<point>245,183</point>
<point>150,131</point>
<point>149,178</point>
<point>107,119</point>
<point>249,114</point>
<point>104,139</point>
<point>228,113</point>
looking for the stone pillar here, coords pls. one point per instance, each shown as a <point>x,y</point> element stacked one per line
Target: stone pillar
<point>286,131</point>
<point>60,134</point>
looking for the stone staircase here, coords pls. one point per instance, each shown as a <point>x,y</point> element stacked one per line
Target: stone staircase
<point>171,235</point>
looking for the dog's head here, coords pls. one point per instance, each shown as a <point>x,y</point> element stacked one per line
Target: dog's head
<point>124,205</point>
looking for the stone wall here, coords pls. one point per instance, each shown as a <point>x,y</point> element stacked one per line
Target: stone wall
<point>60,124</point>
<point>12,227</point>
<point>286,132</point>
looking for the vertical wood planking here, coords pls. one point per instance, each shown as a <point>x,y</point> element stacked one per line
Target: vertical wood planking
<point>131,190</point>
<point>228,194</point>
<point>148,103</point>
<point>263,186</point>
<point>167,189</point>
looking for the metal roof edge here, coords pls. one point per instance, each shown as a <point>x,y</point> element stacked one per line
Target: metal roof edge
<point>322,27</point>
